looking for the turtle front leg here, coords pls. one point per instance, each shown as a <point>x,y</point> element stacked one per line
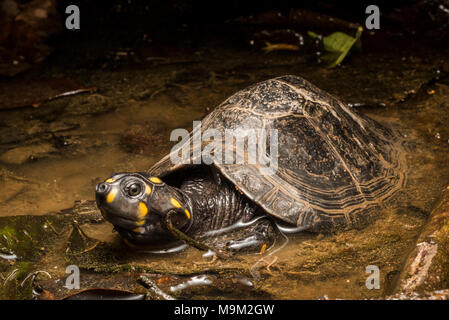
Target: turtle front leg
<point>258,237</point>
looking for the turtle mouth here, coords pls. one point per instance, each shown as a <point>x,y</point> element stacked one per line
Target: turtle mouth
<point>151,241</point>
<point>118,219</point>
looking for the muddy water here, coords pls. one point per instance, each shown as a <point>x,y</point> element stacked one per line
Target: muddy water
<point>54,155</point>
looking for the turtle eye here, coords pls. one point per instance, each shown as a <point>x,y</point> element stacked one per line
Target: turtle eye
<point>134,189</point>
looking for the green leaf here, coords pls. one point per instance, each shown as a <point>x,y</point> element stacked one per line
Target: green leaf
<point>338,45</point>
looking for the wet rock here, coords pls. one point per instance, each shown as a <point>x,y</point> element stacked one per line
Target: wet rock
<point>22,154</point>
<point>427,267</point>
<point>419,267</point>
<point>432,295</point>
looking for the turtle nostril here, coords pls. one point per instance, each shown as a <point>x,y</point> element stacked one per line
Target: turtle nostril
<point>102,188</point>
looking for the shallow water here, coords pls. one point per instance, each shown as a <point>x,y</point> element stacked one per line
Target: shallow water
<point>126,128</point>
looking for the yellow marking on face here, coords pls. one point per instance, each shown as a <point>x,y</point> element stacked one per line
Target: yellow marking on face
<point>139,230</point>
<point>155,180</point>
<point>110,180</point>
<point>264,247</point>
<point>111,196</point>
<point>148,189</point>
<point>143,210</point>
<point>187,213</point>
<point>140,223</point>
<point>175,203</point>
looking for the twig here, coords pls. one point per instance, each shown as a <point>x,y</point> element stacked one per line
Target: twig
<point>152,286</point>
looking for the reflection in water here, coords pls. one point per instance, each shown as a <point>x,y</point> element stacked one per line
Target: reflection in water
<point>169,250</point>
<point>233,227</point>
<point>284,229</point>
<point>202,280</point>
<point>8,256</point>
<point>208,254</point>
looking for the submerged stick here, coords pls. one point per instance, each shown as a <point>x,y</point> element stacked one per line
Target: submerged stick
<point>155,291</point>
<point>66,94</point>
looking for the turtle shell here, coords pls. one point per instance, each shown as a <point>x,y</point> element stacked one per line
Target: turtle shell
<point>332,163</point>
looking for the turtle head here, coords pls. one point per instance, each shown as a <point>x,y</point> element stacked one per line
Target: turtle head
<point>137,205</point>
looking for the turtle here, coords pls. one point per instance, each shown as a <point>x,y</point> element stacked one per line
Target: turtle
<point>334,169</point>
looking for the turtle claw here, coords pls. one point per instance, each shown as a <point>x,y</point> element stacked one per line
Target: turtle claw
<point>261,234</point>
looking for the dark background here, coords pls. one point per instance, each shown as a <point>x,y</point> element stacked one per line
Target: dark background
<point>187,25</point>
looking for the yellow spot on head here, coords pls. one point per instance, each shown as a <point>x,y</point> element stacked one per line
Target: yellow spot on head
<point>155,180</point>
<point>110,180</point>
<point>139,230</point>
<point>264,247</point>
<point>143,210</point>
<point>140,223</point>
<point>111,195</point>
<point>187,213</point>
<point>148,189</point>
<point>175,203</point>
